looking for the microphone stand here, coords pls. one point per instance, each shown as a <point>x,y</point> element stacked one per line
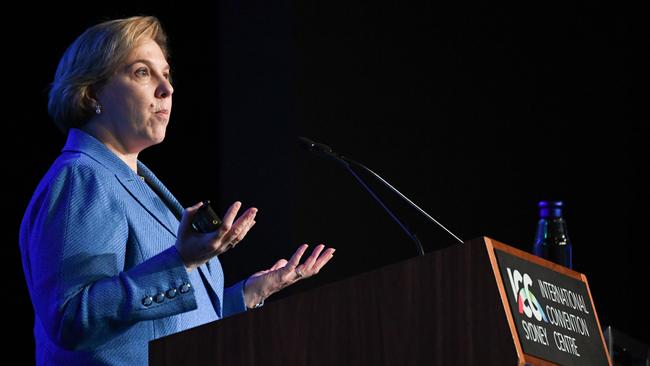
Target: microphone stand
<point>326,151</point>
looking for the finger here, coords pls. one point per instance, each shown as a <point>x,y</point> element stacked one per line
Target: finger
<point>188,215</point>
<point>279,264</point>
<point>239,228</point>
<point>253,222</point>
<point>230,215</point>
<point>245,220</point>
<point>299,274</point>
<point>228,235</point>
<point>245,231</point>
<point>295,258</point>
<point>309,262</point>
<point>323,259</point>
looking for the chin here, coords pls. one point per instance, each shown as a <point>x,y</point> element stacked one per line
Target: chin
<point>158,133</point>
<point>158,137</point>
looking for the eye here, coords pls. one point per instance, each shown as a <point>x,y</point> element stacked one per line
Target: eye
<point>142,72</point>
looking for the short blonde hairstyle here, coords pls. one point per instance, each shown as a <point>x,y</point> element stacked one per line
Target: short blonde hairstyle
<point>91,60</point>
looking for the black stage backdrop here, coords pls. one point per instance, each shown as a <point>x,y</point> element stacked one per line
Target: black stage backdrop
<point>475,111</point>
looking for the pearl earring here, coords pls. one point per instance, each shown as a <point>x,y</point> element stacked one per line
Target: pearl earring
<point>98,108</point>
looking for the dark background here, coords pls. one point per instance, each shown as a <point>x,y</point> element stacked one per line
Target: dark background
<point>474,111</point>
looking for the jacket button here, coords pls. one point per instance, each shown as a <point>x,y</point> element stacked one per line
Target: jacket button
<point>171,293</point>
<point>159,298</point>
<point>185,288</point>
<point>147,301</point>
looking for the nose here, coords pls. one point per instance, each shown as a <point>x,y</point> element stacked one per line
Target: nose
<point>165,89</point>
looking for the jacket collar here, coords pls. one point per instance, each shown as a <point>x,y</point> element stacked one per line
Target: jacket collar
<point>80,141</point>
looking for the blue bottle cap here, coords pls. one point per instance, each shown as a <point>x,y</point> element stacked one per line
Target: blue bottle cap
<point>550,209</point>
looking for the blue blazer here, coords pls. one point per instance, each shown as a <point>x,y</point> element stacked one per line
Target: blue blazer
<point>103,273</point>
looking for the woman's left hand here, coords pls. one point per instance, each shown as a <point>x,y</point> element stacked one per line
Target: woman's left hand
<point>284,273</point>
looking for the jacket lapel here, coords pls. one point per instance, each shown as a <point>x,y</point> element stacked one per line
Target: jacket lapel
<point>165,195</point>
<point>147,198</point>
<point>177,209</point>
<point>155,198</point>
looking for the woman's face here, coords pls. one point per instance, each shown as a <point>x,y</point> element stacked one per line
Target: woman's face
<point>137,100</point>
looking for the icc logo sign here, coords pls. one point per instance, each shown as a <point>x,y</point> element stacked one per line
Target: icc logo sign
<point>526,301</point>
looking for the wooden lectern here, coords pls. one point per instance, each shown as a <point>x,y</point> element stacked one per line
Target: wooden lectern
<point>480,303</point>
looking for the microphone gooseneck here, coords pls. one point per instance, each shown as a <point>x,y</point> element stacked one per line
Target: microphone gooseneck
<point>328,152</point>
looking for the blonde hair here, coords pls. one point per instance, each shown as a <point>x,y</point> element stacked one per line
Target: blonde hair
<point>91,60</point>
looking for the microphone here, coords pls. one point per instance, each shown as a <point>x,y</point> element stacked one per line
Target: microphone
<point>328,152</point>
<point>320,149</point>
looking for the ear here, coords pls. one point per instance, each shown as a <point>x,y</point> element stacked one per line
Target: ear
<point>92,93</point>
<point>92,101</point>
<point>95,89</point>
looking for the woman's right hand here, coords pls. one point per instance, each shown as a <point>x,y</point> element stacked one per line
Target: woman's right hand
<point>197,248</point>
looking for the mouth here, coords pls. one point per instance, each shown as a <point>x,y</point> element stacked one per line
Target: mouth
<point>162,114</point>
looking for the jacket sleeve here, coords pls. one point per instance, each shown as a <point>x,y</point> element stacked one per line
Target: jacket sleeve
<point>75,239</point>
<point>233,299</point>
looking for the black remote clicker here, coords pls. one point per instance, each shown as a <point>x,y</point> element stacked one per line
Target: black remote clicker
<point>206,220</point>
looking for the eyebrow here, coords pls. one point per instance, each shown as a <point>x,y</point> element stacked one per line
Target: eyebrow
<point>145,61</point>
